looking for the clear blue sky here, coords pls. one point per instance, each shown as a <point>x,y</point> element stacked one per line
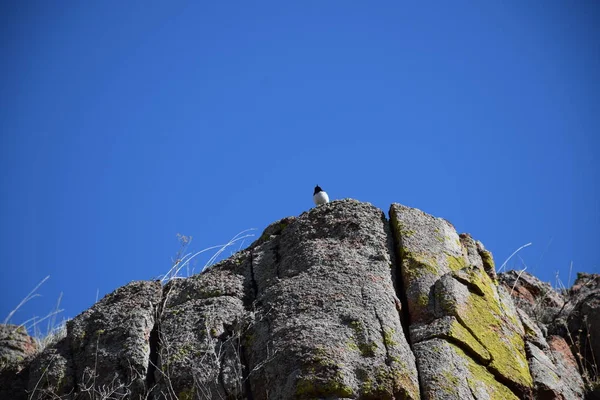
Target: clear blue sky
<point>125,123</point>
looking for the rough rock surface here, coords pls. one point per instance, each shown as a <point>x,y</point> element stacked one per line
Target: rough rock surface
<point>200,336</point>
<point>51,373</point>
<point>16,346</point>
<point>16,349</point>
<point>338,303</point>
<point>558,327</point>
<point>554,370</point>
<point>541,302</point>
<point>328,310</point>
<point>106,351</point>
<point>455,306</point>
<point>583,323</point>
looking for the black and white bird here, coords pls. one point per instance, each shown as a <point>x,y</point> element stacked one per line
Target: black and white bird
<point>320,197</point>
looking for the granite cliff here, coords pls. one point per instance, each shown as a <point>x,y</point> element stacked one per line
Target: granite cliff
<point>338,303</point>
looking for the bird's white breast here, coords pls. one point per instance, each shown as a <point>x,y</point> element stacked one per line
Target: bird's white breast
<point>321,198</point>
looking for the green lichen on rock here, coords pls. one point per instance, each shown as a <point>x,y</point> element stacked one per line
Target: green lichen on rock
<point>423,300</point>
<point>389,382</point>
<point>388,337</point>
<point>416,265</point>
<point>311,386</point>
<point>487,259</point>
<point>481,379</point>
<point>357,326</point>
<point>322,377</point>
<point>449,382</point>
<point>461,335</point>
<point>187,394</point>
<point>365,349</point>
<point>402,230</point>
<point>213,292</point>
<point>455,263</point>
<point>352,345</point>
<point>489,323</point>
<point>308,389</point>
<point>358,341</point>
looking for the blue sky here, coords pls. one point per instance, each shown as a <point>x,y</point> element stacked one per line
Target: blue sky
<point>125,123</point>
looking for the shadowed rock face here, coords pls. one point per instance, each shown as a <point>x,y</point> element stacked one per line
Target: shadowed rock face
<point>338,303</point>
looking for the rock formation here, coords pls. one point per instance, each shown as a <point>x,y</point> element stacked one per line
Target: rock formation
<point>338,303</point>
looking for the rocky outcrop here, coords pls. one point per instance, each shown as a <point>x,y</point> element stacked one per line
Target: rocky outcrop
<point>561,333</point>
<point>16,350</point>
<point>338,303</point>
<point>309,311</point>
<point>467,338</point>
<point>583,325</point>
<point>106,351</point>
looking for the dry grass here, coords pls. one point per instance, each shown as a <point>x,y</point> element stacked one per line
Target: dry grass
<point>183,265</point>
<point>54,330</point>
